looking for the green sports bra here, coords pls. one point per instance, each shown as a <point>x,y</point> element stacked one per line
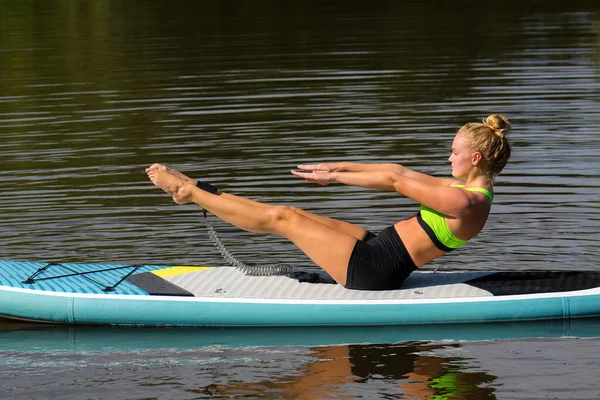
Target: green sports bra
<point>435,225</point>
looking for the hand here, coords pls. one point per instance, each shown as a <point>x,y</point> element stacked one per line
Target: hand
<point>320,177</point>
<point>323,167</point>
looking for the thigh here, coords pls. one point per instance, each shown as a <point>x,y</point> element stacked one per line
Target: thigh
<point>348,228</point>
<point>327,247</point>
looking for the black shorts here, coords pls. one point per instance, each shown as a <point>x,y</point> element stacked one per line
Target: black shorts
<point>379,262</point>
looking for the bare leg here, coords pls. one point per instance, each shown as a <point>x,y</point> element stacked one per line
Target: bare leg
<point>325,246</point>
<point>342,226</point>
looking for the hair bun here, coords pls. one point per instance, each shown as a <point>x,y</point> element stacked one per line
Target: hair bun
<point>499,124</point>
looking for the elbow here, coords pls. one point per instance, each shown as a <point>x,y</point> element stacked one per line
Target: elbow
<point>397,169</point>
<point>394,180</point>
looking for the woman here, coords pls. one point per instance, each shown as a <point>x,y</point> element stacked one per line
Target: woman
<point>452,211</point>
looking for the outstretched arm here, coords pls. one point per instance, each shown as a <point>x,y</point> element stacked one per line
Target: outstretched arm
<point>395,168</point>
<point>430,192</point>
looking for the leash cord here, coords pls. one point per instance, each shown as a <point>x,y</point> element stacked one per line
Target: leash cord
<point>251,270</point>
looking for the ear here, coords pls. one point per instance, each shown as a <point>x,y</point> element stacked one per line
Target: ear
<point>476,158</point>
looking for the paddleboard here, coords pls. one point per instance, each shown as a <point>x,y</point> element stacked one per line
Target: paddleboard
<point>154,295</point>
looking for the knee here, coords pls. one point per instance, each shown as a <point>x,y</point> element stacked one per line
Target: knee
<point>282,218</point>
<point>278,214</point>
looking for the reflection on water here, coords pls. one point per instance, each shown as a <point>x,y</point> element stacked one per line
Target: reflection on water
<point>417,362</point>
<point>239,93</point>
<point>411,370</point>
<point>25,337</point>
<point>417,370</point>
<point>421,370</point>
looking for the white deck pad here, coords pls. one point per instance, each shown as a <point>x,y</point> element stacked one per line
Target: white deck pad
<point>228,282</point>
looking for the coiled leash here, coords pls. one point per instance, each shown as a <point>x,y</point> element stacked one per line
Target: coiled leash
<point>252,270</point>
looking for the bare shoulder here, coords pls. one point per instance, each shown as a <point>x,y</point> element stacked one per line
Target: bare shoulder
<point>452,182</point>
<point>426,178</point>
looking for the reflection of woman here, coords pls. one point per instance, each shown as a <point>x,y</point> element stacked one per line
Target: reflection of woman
<point>335,372</point>
<point>418,371</point>
<point>452,211</point>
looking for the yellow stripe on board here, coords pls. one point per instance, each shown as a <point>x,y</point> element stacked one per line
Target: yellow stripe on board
<point>172,271</point>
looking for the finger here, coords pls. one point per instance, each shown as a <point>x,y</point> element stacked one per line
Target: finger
<point>309,177</point>
<point>311,167</point>
<point>300,174</point>
<point>315,167</point>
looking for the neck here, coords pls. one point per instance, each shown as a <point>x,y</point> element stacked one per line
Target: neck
<point>478,179</point>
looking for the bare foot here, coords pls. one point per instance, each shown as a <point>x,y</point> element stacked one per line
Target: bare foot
<point>178,187</point>
<point>173,172</point>
<point>177,174</point>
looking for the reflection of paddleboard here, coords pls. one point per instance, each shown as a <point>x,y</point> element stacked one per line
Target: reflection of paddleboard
<point>88,338</point>
<point>224,296</point>
<point>102,338</point>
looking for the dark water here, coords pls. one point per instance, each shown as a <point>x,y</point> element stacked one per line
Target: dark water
<point>239,93</point>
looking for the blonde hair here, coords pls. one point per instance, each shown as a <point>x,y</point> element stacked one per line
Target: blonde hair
<point>490,138</point>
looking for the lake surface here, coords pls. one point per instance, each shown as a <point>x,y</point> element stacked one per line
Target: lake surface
<point>239,93</point>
